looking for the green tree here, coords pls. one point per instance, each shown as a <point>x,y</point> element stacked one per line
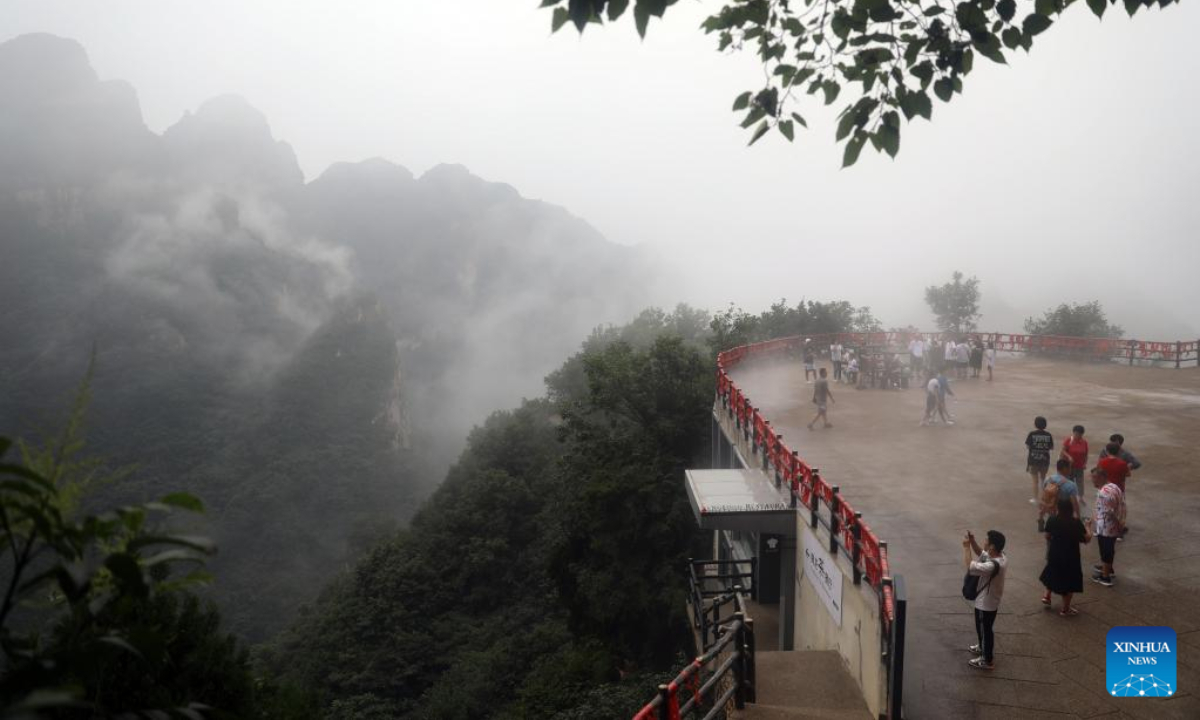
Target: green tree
<point>1074,320</point>
<point>955,304</point>
<point>887,55</point>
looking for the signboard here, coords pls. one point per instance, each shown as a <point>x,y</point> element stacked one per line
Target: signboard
<point>823,573</point>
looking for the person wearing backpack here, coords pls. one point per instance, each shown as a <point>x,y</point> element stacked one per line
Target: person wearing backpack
<point>1057,487</point>
<point>989,570</point>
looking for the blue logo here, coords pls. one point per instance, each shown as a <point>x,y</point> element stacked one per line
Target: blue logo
<point>1141,662</point>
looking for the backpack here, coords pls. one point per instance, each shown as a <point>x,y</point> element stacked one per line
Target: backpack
<point>1050,498</point>
<point>971,589</point>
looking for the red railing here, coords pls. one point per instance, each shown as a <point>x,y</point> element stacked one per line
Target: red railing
<point>868,554</point>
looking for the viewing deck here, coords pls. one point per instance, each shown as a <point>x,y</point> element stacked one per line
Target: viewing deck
<point>922,487</point>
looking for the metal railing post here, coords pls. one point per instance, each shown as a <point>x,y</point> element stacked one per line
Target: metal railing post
<point>664,706</point>
<point>795,473</point>
<point>834,506</point>
<point>816,499</point>
<point>896,664</point>
<point>739,663</point>
<point>751,675</point>
<point>856,552</point>
<point>1178,353</point>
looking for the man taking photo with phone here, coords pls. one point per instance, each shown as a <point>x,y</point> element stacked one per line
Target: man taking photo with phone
<point>989,566</point>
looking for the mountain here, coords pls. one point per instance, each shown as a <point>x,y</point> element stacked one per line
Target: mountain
<point>306,357</point>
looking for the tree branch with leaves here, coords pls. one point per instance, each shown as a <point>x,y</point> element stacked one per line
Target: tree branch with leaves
<point>886,54</point>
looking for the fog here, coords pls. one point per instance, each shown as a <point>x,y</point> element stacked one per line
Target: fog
<point>1064,177</point>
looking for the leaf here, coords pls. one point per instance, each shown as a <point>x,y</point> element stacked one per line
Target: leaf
<point>202,544</point>
<point>1012,37</point>
<point>126,570</point>
<point>924,71</point>
<point>187,501</point>
<point>1131,6</point>
<point>1036,24</point>
<point>916,103</point>
<point>642,19</point>
<point>121,643</point>
<point>581,12</point>
<point>1098,7</point>
<point>934,10</point>
<point>173,556</point>
<point>944,89</point>
<point>1006,9</point>
<point>889,139</point>
<point>831,89</point>
<point>788,129</point>
<point>1045,7</point>
<point>845,125</point>
<point>742,102</point>
<point>756,114</point>
<point>799,119</point>
<point>560,18</point>
<point>616,8</point>
<point>759,131</point>
<point>854,147</point>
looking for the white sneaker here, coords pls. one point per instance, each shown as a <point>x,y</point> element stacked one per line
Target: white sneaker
<point>949,422</point>
<point>1033,501</point>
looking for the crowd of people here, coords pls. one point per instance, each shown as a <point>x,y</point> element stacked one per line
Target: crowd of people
<point>1064,518</point>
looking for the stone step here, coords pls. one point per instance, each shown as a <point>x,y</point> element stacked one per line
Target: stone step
<point>804,684</point>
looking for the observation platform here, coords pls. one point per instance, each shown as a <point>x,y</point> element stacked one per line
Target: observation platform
<point>922,487</point>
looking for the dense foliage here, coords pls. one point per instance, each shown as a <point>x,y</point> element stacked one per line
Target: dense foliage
<point>98,617</point>
<point>514,593</point>
<point>736,327</point>
<point>955,304</point>
<point>1074,320</point>
<point>886,54</point>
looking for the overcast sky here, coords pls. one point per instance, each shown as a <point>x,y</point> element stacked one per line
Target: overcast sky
<point>1070,175</point>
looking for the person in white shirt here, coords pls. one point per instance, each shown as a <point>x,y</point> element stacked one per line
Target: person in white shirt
<point>916,348</point>
<point>990,568</point>
<point>962,357</point>
<point>989,358</point>
<point>835,356</point>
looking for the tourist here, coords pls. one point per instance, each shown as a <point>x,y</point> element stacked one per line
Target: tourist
<point>990,358</point>
<point>943,391</point>
<point>1057,487</point>
<point>1117,469</point>
<point>1075,449</point>
<point>1108,522</point>
<point>1124,454</point>
<point>835,356</point>
<point>810,361</point>
<point>962,354</point>
<point>821,396</point>
<point>1063,574</point>
<point>976,359</point>
<point>1037,464</point>
<point>851,368</point>
<point>989,566</point>
<point>937,357</point>
<point>916,349</point>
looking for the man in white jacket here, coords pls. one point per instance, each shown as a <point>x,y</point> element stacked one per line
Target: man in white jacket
<point>990,567</point>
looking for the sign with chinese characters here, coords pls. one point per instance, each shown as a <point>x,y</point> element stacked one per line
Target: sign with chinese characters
<point>823,574</point>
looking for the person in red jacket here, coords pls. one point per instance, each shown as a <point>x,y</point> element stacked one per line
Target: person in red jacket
<point>1075,449</point>
<point>1117,471</point>
<point>1114,467</point>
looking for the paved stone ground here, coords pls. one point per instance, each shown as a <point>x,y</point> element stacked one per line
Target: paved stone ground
<point>920,488</point>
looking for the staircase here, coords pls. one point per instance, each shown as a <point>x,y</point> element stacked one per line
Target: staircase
<point>804,685</point>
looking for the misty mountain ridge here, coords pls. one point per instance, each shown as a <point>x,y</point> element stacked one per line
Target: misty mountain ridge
<point>306,357</point>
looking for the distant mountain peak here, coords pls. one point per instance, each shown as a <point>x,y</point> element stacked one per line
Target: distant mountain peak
<point>43,65</point>
<point>228,141</point>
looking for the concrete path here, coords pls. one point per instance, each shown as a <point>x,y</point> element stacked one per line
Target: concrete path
<point>920,488</point>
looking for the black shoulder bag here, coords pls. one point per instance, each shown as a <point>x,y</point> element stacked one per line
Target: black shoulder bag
<point>971,587</point>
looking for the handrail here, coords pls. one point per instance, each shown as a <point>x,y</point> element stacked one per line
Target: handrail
<point>706,616</point>
<point>740,662</point>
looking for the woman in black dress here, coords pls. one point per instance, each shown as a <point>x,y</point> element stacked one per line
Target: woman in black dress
<point>1063,574</point>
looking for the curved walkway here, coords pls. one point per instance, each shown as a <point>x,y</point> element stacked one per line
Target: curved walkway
<point>921,487</point>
